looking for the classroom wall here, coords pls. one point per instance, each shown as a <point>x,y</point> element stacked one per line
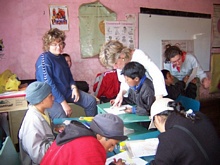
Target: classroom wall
<point>23,23</point>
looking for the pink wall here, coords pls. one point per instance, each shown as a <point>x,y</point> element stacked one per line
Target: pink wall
<point>24,22</point>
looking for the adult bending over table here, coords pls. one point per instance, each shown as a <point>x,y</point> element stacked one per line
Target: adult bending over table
<point>181,64</point>
<point>114,54</point>
<point>186,137</point>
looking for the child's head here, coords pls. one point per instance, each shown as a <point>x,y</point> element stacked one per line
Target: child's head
<point>37,91</point>
<point>68,59</point>
<point>133,72</point>
<point>169,79</point>
<point>109,130</point>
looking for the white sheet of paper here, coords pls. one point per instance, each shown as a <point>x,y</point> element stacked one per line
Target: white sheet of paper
<point>128,131</point>
<point>139,148</point>
<point>117,110</point>
<point>128,161</point>
<point>192,76</point>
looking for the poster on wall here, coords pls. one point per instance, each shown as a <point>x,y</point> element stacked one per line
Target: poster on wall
<point>121,31</point>
<point>92,28</point>
<point>59,17</point>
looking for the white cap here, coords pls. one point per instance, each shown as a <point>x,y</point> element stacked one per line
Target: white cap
<point>157,107</point>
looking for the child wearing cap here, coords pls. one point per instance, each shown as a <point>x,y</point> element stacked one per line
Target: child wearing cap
<point>186,137</point>
<point>178,88</point>
<point>35,134</point>
<point>82,145</point>
<point>141,91</point>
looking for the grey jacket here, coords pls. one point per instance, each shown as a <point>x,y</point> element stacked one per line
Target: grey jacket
<point>35,137</point>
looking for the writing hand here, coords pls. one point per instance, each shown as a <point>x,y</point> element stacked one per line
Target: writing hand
<point>119,162</point>
<point>128,110</point>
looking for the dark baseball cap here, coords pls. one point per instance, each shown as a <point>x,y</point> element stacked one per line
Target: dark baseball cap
<point>109,126</point>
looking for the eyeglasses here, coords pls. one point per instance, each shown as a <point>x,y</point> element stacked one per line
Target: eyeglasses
<point>60,44</point>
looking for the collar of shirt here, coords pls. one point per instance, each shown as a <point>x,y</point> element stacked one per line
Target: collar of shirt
<point>135,88</point>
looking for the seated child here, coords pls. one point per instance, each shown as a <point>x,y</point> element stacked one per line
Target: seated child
<point>35,134</point>
<point>178,88</point>
<point>80,144</point>
<point>141,89</point>
<point>68,59</point>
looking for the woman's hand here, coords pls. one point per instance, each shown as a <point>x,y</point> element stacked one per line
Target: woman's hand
<point>118,100</point>
<point>75,94</point>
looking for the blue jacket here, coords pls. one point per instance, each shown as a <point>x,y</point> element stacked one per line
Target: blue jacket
<point>55,71</point>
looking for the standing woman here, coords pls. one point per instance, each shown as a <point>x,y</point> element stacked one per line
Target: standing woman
<point>181,64</point>
<point>114,54</point>
<point>51,67</point>
<point>186,137</point>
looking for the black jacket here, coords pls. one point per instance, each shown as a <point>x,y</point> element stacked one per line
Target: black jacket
<point>143,97</point>
<point>72,131</point>
<point>179,88</point>
<point>176,147</point>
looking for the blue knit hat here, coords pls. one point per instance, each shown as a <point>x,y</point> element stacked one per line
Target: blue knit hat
<point>37,92</point>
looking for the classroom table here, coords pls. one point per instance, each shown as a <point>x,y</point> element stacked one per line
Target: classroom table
<point>127,118</point>
<point>140,133</point>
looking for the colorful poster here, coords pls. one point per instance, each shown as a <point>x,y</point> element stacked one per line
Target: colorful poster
<point>92,28</point>
<point>59,17</point>
<point>121,31</point>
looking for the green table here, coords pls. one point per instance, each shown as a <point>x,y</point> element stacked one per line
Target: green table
<point>140,133</point>
<point>127,118</point>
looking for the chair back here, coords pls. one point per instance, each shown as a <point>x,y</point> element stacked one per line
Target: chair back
<point>189,103</point>
<point>8,154</point>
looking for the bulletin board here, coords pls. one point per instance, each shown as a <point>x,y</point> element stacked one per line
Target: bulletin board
<point>155,28</point>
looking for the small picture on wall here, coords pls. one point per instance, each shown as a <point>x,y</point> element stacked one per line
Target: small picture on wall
<point>59,17</point>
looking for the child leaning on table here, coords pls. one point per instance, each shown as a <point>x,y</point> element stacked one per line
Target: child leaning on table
<point>35,134</point>
<point>141,89</point>
<point>81,144</point>
<point>178,88</point>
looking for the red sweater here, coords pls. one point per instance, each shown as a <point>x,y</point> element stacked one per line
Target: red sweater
<point>85,150</point>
